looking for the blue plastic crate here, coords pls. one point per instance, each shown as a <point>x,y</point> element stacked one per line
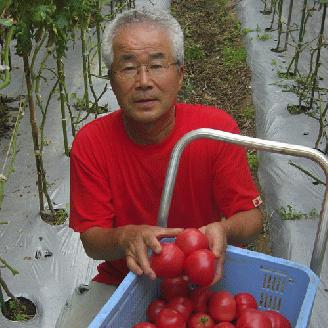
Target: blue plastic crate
<point>277,284</point>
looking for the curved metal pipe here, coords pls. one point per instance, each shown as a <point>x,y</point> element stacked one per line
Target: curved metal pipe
<point>259,144</point>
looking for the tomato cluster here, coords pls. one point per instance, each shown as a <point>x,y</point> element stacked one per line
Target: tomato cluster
<point>180,306</point>
<point>188,255</point>
<point>189,262</point>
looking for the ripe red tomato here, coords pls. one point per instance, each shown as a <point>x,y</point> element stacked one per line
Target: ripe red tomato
<point>173,287</point>
<point>244,301</point>
<point>169,262</point>
<point>154,307</point>
<point>224,324</point>
<point>144,325</point>
<point>222,306</point>
<point>169,318</point>
<point>252,318</point>
<point>277,319</point>
<point>201,320</point>
<point>190,240</point>
<point>199,266</point>
<point>200,297</point>
<point>181,304</point>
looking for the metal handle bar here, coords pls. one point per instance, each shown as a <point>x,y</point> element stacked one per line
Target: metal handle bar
<point>259,144</point>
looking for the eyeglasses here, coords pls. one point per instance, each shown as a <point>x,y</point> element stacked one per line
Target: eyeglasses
<point>154,70</point>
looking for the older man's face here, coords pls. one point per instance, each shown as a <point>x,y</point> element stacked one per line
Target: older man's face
<point>144,77</point>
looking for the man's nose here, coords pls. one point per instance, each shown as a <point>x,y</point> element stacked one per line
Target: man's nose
<point>143,78</point>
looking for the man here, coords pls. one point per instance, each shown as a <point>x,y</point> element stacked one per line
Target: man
<point>119,162</point>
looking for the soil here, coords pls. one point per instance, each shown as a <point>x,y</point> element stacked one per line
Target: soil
<point>4,120</point>
<point>8,115</point>
<point>26,309</point>
<point>216,72</point>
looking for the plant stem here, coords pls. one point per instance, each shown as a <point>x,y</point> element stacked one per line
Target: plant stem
<point>70,112</point>
<point>300,37</point>
<point>5,57</point>
<point>61,79</point>
<point>317,181</point>
<point>6,289</point>
<point>84,67</point>
<point>290,10</point>
<point>98,32</point>
<point>317,62</point>
<point>322,127</point>
<point>273,14</point>
<point>8,266</point>
<point>35,130</point>
<point>2,301</point>
<point>280,4</point>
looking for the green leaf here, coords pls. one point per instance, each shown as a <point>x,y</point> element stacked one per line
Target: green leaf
<point>6,22</point>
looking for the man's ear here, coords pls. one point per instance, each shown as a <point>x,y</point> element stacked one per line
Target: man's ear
<point>109,75</point>
<point>111,79</point>
<point>181,74</point>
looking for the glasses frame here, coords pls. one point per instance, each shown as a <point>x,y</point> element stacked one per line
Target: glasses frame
<point>147,66</point>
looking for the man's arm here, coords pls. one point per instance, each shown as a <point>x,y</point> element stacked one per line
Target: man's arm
<point>130,241</point>
<point>241,227</point>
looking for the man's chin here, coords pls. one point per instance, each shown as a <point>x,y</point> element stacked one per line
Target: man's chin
<point>145,115</point>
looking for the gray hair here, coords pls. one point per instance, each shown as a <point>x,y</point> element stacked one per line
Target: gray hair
<point>159,18</point>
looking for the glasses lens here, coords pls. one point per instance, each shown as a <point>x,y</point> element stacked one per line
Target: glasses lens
<point>154,70</point>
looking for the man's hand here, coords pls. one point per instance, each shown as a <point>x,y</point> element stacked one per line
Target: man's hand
<point>135,241</point>
<point>130,241</point>
<point>217,239</point>
<point>242,227</point>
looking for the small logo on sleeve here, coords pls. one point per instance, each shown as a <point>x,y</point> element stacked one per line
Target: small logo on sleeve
<point>257,201</point>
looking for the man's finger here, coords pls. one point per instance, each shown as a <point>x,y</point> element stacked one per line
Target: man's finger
<point>153,243</point>
<point>133,265</point>
<point>219,270</point>
<point>144,264</point>
<point>168,232</point>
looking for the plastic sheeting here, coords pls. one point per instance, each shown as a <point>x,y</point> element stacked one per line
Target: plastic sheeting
<point>283,184</point>
<point>46,280</point>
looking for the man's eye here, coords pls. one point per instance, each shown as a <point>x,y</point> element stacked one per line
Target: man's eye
<point>156,66</point>
<point>129,69</point>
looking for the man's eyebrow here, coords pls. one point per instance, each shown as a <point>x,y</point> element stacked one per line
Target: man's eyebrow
<point>127,57</point>
<point>157,55</point>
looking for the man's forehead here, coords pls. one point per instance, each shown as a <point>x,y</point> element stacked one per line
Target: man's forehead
<point>140,31</point>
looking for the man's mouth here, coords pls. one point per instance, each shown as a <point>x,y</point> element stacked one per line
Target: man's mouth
<point>145,100</point>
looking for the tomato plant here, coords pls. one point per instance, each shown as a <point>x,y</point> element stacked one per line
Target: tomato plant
<point>153,309</point>
<point>169,318</point>
<point>199,266</point>
<point>222,306</point>
<point>252,318</point>
<point>181,304</point>
<point>173,287</point>
<point>200,297</point>
<point>201,320</point>
<point>169,262</point>
<point>277,319</point>
<point>244,301</point>
<point>190,240</point>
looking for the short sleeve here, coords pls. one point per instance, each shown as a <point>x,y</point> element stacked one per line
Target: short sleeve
<point>90,194</point>
<point>234,188</point>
